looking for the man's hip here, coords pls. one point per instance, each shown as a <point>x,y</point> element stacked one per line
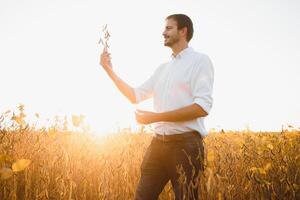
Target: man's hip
<point>193,135</point>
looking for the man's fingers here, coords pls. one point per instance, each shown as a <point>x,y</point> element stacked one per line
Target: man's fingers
<point>137,118</point>
<point>139,112</point>
<point>105,55</point>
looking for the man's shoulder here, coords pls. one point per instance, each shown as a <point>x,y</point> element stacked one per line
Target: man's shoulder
<point>201,60</point>
<point>199,55</point>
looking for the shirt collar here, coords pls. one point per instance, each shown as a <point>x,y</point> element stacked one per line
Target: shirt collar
<point>182,53</point>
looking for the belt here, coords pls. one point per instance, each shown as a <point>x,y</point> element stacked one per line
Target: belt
<point>178,137</point>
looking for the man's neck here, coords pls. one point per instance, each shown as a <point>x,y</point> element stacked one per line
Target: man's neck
<point>178,47</point>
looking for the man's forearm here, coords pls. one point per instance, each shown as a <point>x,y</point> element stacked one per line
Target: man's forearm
<point>183,114</point>
<point>122,86</point>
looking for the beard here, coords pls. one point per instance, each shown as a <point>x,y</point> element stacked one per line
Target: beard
<point>171,40</point>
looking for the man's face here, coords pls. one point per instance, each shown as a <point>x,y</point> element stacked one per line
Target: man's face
<point>171,34</point>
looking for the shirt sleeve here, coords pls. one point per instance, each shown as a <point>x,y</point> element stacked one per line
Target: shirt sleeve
<point>145,91</point>
<point>202,83</point>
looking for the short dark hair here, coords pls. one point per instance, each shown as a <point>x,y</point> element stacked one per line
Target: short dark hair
<point>183,21</point>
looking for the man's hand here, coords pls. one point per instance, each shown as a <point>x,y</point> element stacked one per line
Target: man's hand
<point>105,61</point>
<point>146,117</point>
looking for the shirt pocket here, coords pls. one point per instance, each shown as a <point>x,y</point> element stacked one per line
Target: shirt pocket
<point>180,88</point>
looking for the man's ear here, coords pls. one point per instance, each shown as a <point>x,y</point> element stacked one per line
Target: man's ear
<point>183,31</point>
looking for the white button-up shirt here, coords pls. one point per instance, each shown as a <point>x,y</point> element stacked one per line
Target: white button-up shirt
<point>186,79</point>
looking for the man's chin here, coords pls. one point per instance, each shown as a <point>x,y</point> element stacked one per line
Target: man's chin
<point>167,44</point>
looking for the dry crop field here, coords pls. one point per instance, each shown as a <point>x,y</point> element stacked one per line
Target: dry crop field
<point>52,163</point>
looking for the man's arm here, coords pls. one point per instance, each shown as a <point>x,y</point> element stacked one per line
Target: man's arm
<point>126,90</point>
<point>182,114</point>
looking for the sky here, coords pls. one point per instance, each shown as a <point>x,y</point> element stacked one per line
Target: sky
<point>49,58</point>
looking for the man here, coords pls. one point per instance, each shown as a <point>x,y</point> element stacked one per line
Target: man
<point>182,94</point>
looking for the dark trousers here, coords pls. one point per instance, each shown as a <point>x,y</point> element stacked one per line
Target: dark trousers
<point>178,161</point>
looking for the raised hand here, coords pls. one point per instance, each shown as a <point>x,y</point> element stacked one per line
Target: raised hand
<point>105,60</point>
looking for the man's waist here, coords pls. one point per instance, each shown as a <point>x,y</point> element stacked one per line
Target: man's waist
<point>178,137</point>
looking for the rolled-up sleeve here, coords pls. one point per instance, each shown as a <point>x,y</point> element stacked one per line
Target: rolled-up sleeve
<point>145,91</point>
<point>202,83</point>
